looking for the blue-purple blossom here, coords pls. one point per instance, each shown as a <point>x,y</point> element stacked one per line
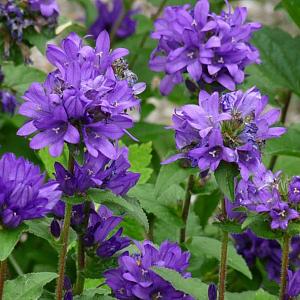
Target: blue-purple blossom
<point>232,128</point>
<point>47,8</point>
<point>24,195</point>
<point>134,279</point>
<point>212,292</point>
<point>108,15</point>
<point>294,190</point>
<point>210,48</point>
<point>87,96</point>
<point>8,102</point>
<point>293,288</point>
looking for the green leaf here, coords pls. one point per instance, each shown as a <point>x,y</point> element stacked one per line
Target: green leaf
<point>225,175</point>
<point>18,78</point>
<point>205,205</point>
<point>287,144</point>
<point>192,286</point>
<point>74,200</point>
<point>49,161</point>
<point>293,9</point>
<point>157,205</point>
<point>8,240</point>
<point>171,174</point>
<point>293,229</point>
<point>212,247</point>
<point>230,226</point>
<point>140,158</point>
<point>250,295</point>
<point>280,59</point>
<point>128,206</point>
<point>27,287</point>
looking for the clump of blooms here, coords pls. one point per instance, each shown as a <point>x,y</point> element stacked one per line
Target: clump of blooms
<point>24,195</point>
<point>266,193</point>
<point>232,127</point>
<point>269,252</point>
<point>210,48</point>
<point>108,16</point>
<point>134,279</point>
<point>17,16</point>
<point>88,96</point>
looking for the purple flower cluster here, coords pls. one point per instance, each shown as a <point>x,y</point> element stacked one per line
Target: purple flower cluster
<point>34,13</point>
<point>263,193</point>
<point>230,128</point>
<point>210,48</point>
<point>23,193</point>
<point>87,95</point>
<point>269,252</point>
<point>134,279</point>
<point>108,16</point>
<point>99,227</point>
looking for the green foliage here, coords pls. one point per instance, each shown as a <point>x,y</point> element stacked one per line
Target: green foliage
<point>8,240</point>
<point>27,287</point>
<point>210,247</point>
<point>140,159</point>
<point>250,295</point>
<point>191,286</point>
<point>117,203</point>
<point>225,175</point>
<point>90,10</point>
<point>293,9</point>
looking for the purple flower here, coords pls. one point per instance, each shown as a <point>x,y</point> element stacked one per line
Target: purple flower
<point>107,18</point>
<point>134,279</point>
<point>229,128</point>
<point>294,190</point>
<point>46,7</point>
<point>8,102</point>
<point>293,288</point>
<point>209,47</point>
<point>212,292</point>
<point>23,193</point>
<point>87,96</point>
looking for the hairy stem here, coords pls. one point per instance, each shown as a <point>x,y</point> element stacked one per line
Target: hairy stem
<point>146,35</point>
<point>186,208</point>
<point>3,270</point>
<point>79,286</point>
<point>64,238</point>
<point>283,118</point>
<point>284,265</point>
<point>223,263</point>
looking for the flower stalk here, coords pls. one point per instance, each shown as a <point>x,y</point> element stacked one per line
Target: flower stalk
<point>186,208</point>
<point>223,263</point>
<point>64,240</point>
<point>3,270</point>
<point>284,265</point>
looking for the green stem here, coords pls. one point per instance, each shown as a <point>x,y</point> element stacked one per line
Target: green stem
<point>64,239</point>
<point>79,286</point>
<point>284,265</point>
<point>117,25</point>
<point>3,270</point>
<point>15,265</point>
<point>223,263</point>
<point>283,118</point>
<point>186,208</point>
<point>146,35</point>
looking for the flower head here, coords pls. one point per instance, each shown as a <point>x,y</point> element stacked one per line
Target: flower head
<point>8,102</point>
<point>134,279</point>
<point>107,18</point>
<point>46,7</point>
<point>210,48</point>
<point>87,97</point>
<point>24,195</point>
<point>232,128</point>
<point>294,190</point>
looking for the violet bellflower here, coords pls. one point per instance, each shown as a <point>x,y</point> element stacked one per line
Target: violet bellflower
<point>47,8</point>
<point>210,48</point>
<point>108,15</point>
<point>88,95</point>
<point>134,279</point>
<point>232,128</point>
<point>8,102</point>
<point>293,288</point>
<point>263,193</point>
<point>24,195</point>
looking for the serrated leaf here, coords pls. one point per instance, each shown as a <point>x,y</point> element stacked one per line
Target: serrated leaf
<point>27,287</point>
<point>225,175</point>
<point>140,157</point>
<point>128,206</point>
<point>8,240</point>
<point>212,247</point>
<point>191,286</point>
